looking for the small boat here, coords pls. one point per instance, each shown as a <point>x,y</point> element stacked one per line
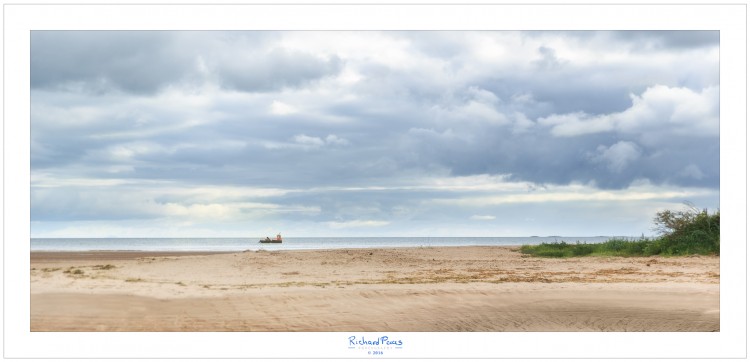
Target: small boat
<point>269,240</point>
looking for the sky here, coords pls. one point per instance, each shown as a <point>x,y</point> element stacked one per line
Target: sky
<point>415,133</point>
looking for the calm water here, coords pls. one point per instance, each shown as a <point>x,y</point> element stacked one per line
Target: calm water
<point>301,243</point>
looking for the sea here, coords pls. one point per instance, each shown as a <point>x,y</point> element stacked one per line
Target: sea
<point>289,243</point>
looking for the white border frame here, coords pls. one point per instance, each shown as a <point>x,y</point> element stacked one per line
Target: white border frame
<point>19,20</point>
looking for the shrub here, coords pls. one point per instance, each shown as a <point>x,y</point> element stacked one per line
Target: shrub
<point>686,232</point>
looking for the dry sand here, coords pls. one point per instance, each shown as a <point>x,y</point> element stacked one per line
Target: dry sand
<point>400,289</point>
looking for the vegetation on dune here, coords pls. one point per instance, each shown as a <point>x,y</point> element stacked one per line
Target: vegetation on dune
<point>686,232</point>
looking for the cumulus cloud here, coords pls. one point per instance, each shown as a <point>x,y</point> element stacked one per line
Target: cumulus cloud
<point>308,141</point>
<point>681,111</point>
<point>618,156</point>
<point>660,108</point>
<point>332,139</point>
<point>548,59</point>
<point>576,124</point>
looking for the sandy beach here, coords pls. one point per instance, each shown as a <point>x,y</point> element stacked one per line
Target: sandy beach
<point>431,289</point>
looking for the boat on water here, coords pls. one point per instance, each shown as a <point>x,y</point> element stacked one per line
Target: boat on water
<point>269,240</point>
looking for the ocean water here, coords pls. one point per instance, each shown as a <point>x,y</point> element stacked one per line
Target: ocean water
<point>298,243</point>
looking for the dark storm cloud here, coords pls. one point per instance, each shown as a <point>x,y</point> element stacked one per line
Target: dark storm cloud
<point>131,61</point>
<point>554,160</point>
<point>144,62</point>
<point>563,92</point>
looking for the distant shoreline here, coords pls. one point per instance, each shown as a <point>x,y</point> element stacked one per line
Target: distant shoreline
<point>134,254</point>
<point>290,243</point>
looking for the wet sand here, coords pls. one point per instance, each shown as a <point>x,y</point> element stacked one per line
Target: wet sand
<point>399,289</point>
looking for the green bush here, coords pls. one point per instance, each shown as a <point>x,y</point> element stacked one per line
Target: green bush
<point>682,233</point>
<point>688,232</point>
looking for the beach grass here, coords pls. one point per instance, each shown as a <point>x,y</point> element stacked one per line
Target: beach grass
<point>691,245</point>
<point>612,247</point>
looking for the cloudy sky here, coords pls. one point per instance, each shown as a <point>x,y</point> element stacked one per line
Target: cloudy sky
<point>437,133</point>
